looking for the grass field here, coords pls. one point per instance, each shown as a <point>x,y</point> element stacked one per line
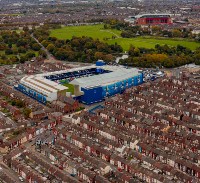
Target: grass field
<point>70,87</point>
<point>151,42</point>
<point>97,31</point>
<point>94,31</point>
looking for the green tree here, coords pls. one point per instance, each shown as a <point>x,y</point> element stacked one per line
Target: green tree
<point>51,47</point>
<point>45,43</point>
<point>42,53</point>
<point>19,103</point>
<point>30,55</point>
<point>8,51</point>
<point>176,33</point>
<point>136,52</point>
<point>61,54</point>
<point>26,112</point>
<point>36,47</point>
<point>99,55</point>
<point>23,59</point>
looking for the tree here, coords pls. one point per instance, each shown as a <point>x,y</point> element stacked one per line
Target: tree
<point>136,52</point>
<point>23,59</point>
<point>45,43</point>
<point>108,57</point>
<point>131,50</point>
<point>176,33</point>
<point>75,42</point>
<point>36,47</point>
<point>19,103</point>
<point>156,29</point>
<point>8,52</point>
<point>21,49</point>
<point>98,55</point>
<point>26,112</point>
<point>42,53</point>
<point>25,29</point>
<point>61,54</point>
<point>51,47</point>
<point>10,45</point>
<point>14,59</point>
<point>21,42</point>
<point>30,55</point>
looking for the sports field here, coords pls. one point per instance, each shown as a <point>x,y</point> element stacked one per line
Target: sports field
<point>97,31</point>
<point>94,31</point>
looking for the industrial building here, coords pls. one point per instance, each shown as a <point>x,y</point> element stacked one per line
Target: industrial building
<point>149,19</point>
<point>91,84</point>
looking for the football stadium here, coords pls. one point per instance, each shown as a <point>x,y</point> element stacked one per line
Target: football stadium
<point>150,19</point>
<point>89,84</point>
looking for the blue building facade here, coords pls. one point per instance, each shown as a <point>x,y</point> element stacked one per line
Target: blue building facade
<point>32,93</point>
<point>91,95</point>
<point>98,94</point>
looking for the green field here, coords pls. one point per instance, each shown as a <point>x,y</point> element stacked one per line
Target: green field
<point>97,31</point>
<point>70,87</point>
<point>94,31</point>
<point>151,42</point>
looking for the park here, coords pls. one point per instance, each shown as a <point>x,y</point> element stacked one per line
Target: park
<point>112,36</point>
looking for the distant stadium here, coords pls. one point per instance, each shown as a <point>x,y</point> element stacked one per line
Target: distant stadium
<point>89,84</point>
<point>149,19</point>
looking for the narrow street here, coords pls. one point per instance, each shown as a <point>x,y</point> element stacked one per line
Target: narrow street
<point>9,172</point>
<point>49,56</point>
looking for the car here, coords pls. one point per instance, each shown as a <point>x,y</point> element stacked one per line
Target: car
<point>21,179</point>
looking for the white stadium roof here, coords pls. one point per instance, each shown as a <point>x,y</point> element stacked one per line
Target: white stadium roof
<point>41,84</point>
<point>118,73</point>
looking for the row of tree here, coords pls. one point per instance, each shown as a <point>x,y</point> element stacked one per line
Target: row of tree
<point>161,56</point>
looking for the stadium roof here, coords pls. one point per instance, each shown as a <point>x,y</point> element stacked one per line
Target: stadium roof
<point>45,86</point>
<point>152,15</point>
<point>119,73</point>
<point>65,71</point>
<point>41,84</point>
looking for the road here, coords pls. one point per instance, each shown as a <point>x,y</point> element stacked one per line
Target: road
<point>49,56</point>
<point>8,120</point>
<point>9,172</point>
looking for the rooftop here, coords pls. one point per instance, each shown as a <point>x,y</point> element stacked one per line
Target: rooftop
<point>119,73</point>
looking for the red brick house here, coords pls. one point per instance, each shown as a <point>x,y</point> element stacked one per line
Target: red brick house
<point>65,105</point>
<point>38,114</point>
<point>3,104</point>
<point>57,116</point>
